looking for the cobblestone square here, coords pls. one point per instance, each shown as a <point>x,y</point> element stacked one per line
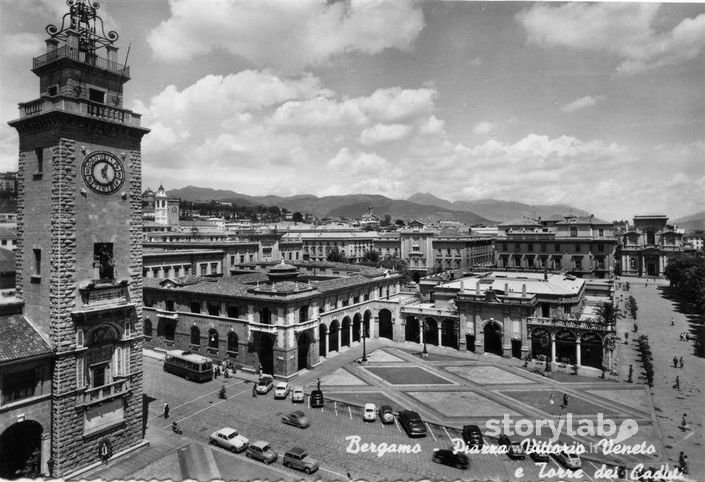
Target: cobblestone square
<point>487,375</point>
<point>407,376</point>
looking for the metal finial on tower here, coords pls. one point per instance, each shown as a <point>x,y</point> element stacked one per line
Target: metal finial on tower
<point>84,21</point>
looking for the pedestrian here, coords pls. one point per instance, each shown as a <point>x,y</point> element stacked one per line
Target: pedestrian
<point>631,372</point>
<point>166,410</point>
<point>672,322</point>
<point>684,421</point>
<point>636,327</point>
<point>349,477</point>
<point>675,362</point>
<point>565,401</point>
<point>687,336</point>
<point>550,398</point>
<point>318,384</point>
<point>260,370</point>
<point>680,362</point>
<point>682,336</point>
<point>254,391</point>
<point>677,385</point>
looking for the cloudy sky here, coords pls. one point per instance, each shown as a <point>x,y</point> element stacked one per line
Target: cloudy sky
<point>598,105</point>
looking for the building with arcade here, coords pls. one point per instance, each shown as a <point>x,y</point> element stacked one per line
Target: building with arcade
<point>283,319</point>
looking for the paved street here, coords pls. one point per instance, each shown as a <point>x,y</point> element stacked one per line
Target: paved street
<point>448,389</point>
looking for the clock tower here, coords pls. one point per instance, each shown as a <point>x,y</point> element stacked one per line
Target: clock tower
<point>79,229</point>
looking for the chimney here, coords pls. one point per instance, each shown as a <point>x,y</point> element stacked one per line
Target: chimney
<point>523,289</point>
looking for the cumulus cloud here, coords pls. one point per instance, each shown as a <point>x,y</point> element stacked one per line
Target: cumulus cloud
<point>356,163</point>
<point>623,30</point>
<point>582,103</point>
<point>285,35</point>
<point>484,127</point>
<point>384,133</point>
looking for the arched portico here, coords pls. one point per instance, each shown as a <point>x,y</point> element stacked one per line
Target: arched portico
<point>449,333</point>
<point>357,327</point>
<point>541,343</point>
<point>345,332</point>
<point>386,328</point>
<point>430,331</point>
<point>303,347</point>
<point>565,347</point>
<point>21,450</point>
<point>322,340</point>
<point>591,351</point>
<point>266,352</point>
<point>492,332</point>
<point>411,330</point>
<point>334,336</point>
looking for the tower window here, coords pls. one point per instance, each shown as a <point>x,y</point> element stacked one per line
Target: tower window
<point>103,260</point>
<point>96,96</point>
<point>37,262</point>
<point>53,90</point>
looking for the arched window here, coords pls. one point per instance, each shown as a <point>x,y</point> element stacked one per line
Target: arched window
<point>195,335</point>
<point>212,339</point>
<point>232,342</point>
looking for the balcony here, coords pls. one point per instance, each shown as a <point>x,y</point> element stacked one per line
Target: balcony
<point>305,325</point>
<point>66,52</point>
<point>263,327</point>
<point>583,324</point>
<point>106,392</point>
<point>109,293</point>
<point>79,106</point>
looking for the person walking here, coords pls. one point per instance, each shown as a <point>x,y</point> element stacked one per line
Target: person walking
<point>254,391</point>
<point>166,410</point>
<point>677,385</point>
<point>672,322</point>
<point>684,421</point>
<point>565,401</point>
<point>680,362</point>
<point>318,384</point>
<point>675,362</point>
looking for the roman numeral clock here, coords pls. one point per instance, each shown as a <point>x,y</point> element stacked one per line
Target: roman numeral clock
<point>103,172</point>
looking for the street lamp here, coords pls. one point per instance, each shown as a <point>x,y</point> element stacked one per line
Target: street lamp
<point>364,346</point>
<point>423,327</point>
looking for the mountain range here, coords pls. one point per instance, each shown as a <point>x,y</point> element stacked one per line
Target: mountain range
<point>691,223</point>
<point>422,206</point>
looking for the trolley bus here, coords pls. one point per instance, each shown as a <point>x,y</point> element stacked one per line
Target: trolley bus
<point>188,365</point>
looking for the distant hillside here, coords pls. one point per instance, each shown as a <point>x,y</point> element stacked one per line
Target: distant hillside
<point>498,210</point>
<point>350,205</point>
<point>691,223</point>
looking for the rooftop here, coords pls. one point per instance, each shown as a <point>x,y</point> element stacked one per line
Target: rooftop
<point>20,339</point>
<point>554,284</point>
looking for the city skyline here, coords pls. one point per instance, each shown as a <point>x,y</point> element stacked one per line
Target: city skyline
<point>600,105</point>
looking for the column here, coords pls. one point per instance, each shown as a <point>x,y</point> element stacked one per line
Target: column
<point>374,321</point>
<point>577,352</point>
<point>420,331</point>
<point>327,343</point>
<point>350,331</point>
<point>337,342</point>
<point>553,347</point>
<point>440,340</point>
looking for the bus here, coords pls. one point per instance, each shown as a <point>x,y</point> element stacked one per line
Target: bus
<point>188,365</point>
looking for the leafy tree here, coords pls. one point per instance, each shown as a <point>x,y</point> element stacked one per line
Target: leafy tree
<point>386,221</point>
<point>632,307</point>
<point>686,272</point>
<point>370,258</point>
<point>297,217</point>
<point>609,314</point>
<point>336,256</point>
<point>398,265</point>
<point>400,223</point>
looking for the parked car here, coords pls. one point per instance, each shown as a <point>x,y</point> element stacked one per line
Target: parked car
<point>412,424</point>
<point>281,391</point>
<point>514,449</point>
<point>297,419</point>
<point>472,436</point>
<point>569,460</point>
<point>369,413</point>
<point>229,439</point>
<point>262,451</point>
<point>297,458</point>
<point>316,399</point>
<point>386,414</point>
<point>451,457</point>
<point>297,394</point>
<point>265,384</point>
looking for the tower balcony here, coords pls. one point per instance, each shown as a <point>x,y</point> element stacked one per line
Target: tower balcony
<point>78,106</point>
<point>66,52</point>
<point>101,394</point>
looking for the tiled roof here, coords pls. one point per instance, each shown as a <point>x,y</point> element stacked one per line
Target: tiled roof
<point>20,339</point>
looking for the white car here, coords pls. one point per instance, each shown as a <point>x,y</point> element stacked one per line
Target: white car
<point>569,460</point>
<point>281,390</point>
<point>265,384</point>
<point>369,414</point>
<point>229,439</point>
<point>297,394</point>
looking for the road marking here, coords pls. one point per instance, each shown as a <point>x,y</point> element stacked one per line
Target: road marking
<point>448,435</point>
<point>432,435</point>
<point>343,476</point>
<point>350,412</point>
<point>199,411</point>
<point>197,398</point>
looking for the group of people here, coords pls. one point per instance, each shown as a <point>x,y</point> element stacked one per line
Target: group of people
<point>685,336</point>
<point>677,362</point>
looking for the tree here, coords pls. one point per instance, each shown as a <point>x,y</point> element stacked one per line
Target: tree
<point>400,223</point>
<point>387,221</point>
<point>632,307</point>
<point>370,258</point>
<point>686,272</point>
<point>609,314</point>
<point>398,265</point>
<point>297,217</point>
<point>336,256</point>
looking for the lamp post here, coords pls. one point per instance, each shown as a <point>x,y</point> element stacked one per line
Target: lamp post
<point>364,346</point>
<point>423,327</point>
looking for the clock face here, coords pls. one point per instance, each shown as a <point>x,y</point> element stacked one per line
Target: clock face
<point>103,172</point>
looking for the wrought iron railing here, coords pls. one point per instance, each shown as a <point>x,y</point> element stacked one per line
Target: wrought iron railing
<point>66,52</point>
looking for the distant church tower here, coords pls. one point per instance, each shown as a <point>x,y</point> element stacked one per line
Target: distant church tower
<point>79,229</point>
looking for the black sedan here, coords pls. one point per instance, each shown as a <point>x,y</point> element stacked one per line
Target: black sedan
<point>449,457</point>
